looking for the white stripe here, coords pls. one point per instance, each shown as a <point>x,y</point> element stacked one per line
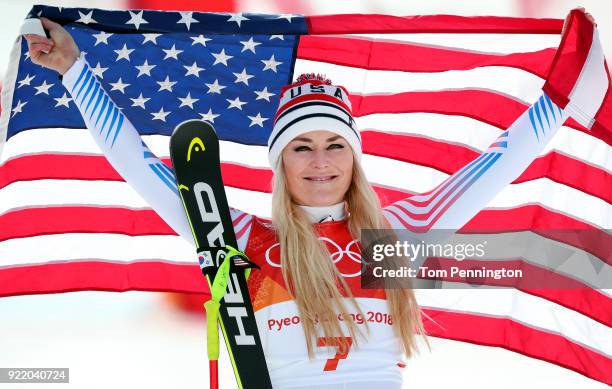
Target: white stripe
<point>6,99</point>
<point>485,43</point>
<point>107,247</point>
<point>379,170</point>
<point>530,310</point>
<point>514,82</point>
<point>590,89</point>
<point>446,128</point>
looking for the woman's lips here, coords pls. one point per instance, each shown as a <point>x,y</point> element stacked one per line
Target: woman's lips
<point>320,178</point>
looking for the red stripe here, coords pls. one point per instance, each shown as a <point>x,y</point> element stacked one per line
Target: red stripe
<point>449,158</point>
<point>88,219</point>
<point>409,57</point>
<point>535,280</point>
<point>95,275</point>
<point>511,335</point>
<point>472,328</point>
<point>488,107</point>
<point>570,58</point>
<point>439,155</point>
<point>371,24</point>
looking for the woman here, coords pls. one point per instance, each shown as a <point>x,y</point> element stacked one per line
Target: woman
<point>319,328</point>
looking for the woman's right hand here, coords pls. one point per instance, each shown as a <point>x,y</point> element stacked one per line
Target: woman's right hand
<point>57,53</point>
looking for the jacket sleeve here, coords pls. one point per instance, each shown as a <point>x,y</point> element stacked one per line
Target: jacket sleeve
<point>462,195</point>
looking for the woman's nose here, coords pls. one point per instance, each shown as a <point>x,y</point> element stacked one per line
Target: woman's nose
<point>320,159</point>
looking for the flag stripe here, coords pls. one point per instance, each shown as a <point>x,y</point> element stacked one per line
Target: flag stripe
<point>69,220</point>
<point>509,334</point>
<point>35,221</point>
<point>374,54</point>
<point>95,275</point>
<point>68,191</point>
<point>417,150</point>
<point>454,130</point>
<point>376,24</point>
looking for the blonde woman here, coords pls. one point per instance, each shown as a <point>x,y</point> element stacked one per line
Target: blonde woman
<point>319,328</point>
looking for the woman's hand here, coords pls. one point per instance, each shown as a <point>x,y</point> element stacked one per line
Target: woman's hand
<point>588,15</point>
<point>57,53</point>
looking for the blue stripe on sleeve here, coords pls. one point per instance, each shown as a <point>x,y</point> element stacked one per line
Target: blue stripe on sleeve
<point>106,100</point>
<point>90,84</point>
<point>93,111</point>
<point>94,94</point>
<point>118,128</point>
<point>111,108</point>
<point>533,124</point>
<point>88,78</point>
<point>163,178</point>
<point>79,79</point>
<point>110,126</point>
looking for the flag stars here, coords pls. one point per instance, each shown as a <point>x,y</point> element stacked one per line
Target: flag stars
<point>221,57</point>
<point>238,18</point>
<point>236,103</point>
<point>166,84</point>
<point>209,116</point>
<point>85,18</point>
<point>264,94</point>
<point>18,107</point>
<point>281,37</point>
<point>119,85</point>
<point>187,100</point>
<point>187,19</point>
<point>26,80</point>
<point>43,88</point>
<point>160,115</point>
<point>99,71</point>
<point>172,52</point>
<point>27,56</point>
<point>139,101</point>
<point>243,77</point>
<point>102,37</point>
<point>200,39</point>
<point>215,87</point>
<point>288,17</point>
<point>136,19</point>
<point>257,120</point>
<point>144,69</point>
<point>270,64</point>
<point>150,38</point>
<point>193,70</point>
<point>62,101</point>
<point>249,45</point>
<point>124,53</point>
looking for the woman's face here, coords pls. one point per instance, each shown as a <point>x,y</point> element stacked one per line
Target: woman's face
<point>318,166</point>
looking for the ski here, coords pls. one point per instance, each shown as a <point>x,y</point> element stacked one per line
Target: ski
<point>194,150</point>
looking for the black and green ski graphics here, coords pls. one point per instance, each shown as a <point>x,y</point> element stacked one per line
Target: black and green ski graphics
<point>194,149</point>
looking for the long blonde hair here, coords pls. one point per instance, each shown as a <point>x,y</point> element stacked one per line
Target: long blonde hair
<point>314,281</point>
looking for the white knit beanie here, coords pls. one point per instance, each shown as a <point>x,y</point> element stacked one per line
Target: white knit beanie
<point>312,104</point>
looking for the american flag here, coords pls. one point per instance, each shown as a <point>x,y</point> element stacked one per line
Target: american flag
<point>429,94</point>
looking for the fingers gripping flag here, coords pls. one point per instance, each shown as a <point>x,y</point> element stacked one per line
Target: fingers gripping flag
<point>426,105</point>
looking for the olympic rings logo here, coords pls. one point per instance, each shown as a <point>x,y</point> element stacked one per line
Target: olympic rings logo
<point>336,252</point>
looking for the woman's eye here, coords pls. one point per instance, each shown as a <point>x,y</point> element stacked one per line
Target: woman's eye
<point>302,148</point>
<point>335,146</point>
